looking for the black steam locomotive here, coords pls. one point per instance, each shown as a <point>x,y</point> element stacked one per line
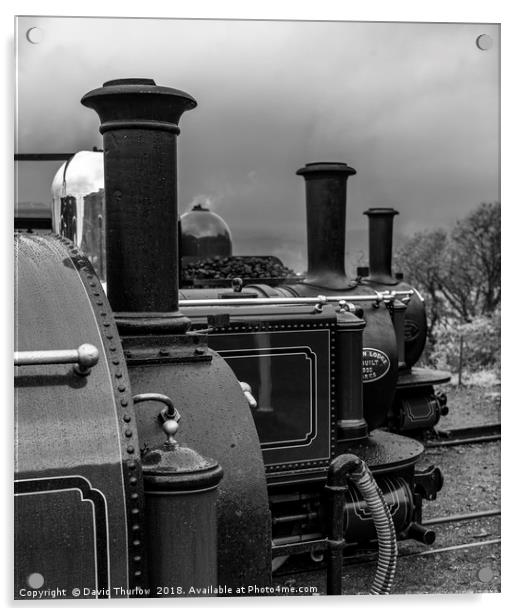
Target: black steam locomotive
<point>393,339</point>
<point>278,392</point>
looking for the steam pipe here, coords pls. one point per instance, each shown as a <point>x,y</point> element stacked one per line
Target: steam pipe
<point>381,244</point>
<point>420,533</point>
<point>326,223</point>
<point>139,124</point>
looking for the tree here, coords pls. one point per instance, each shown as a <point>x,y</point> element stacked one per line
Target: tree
<point>470,280</point>
<point>459,272</point>
<point>421,260</point>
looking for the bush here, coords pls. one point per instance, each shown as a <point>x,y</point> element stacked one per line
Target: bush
<point>481,345</point>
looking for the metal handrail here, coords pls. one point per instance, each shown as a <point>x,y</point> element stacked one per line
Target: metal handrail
<point>377,296</point>
<point>85,357</point>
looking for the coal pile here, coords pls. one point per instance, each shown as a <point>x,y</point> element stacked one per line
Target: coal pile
<point>248,268</point>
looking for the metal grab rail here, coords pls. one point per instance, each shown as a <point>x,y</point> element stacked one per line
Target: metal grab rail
<point>377,296</point>
<point>84,357</point>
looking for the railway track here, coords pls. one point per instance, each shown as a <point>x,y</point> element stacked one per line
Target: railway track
<point>367,556</point>
<point>442,438</point>
<point>364,559</point>
<point>368,559</point>
<point>465,436</point>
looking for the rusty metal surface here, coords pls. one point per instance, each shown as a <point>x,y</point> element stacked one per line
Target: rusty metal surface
<point>218,423</point>
<point>76,451</point>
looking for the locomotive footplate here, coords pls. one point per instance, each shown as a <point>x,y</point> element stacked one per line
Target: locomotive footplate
<point>385,452</point>
<point>421,377</point>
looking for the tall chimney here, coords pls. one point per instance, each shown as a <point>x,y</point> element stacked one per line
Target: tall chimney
<point>326,223</point>
<point>381,243</point>
<point>139,124</point>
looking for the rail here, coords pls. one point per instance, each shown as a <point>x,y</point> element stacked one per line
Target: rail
<point>465,436</point>
<point>305,543</point>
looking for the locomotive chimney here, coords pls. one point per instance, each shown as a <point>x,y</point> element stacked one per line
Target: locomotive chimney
<point>139,124</point>
<point>381,242</point>
<point>326,223</point>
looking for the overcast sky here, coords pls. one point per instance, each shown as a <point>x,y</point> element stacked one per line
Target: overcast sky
<point>414,108</point>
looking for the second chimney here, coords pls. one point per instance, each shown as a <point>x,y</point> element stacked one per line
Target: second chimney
<point>326,223</point>
<point>381,243</point>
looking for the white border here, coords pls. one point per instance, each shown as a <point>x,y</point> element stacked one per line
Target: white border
<point>505,12</point>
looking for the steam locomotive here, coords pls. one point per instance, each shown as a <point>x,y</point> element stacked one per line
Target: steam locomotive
<point>392,344</point>
<point>277,394</point>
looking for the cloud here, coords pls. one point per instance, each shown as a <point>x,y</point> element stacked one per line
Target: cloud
<point>413,107</point>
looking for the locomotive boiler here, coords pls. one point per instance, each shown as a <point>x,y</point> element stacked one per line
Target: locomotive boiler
<point>264,391</point>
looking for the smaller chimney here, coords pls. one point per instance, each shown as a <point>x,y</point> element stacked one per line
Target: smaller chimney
<point>381,243</point>
<point>326,223</point>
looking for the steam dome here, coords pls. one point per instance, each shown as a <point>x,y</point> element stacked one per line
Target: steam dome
<point>79,206</point>
<point>204,234</point>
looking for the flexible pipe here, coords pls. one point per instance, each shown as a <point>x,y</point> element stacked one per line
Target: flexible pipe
<point>384,526</point>
<point>349,465</point>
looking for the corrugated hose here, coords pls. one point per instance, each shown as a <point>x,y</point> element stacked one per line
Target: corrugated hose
<point>382,519</point>
<point>350,467</point>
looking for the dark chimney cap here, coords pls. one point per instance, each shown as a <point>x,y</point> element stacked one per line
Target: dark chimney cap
<point>136,100</point>
<point>329,168</point>
<point>380,211</point>
<point>131,81</point>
